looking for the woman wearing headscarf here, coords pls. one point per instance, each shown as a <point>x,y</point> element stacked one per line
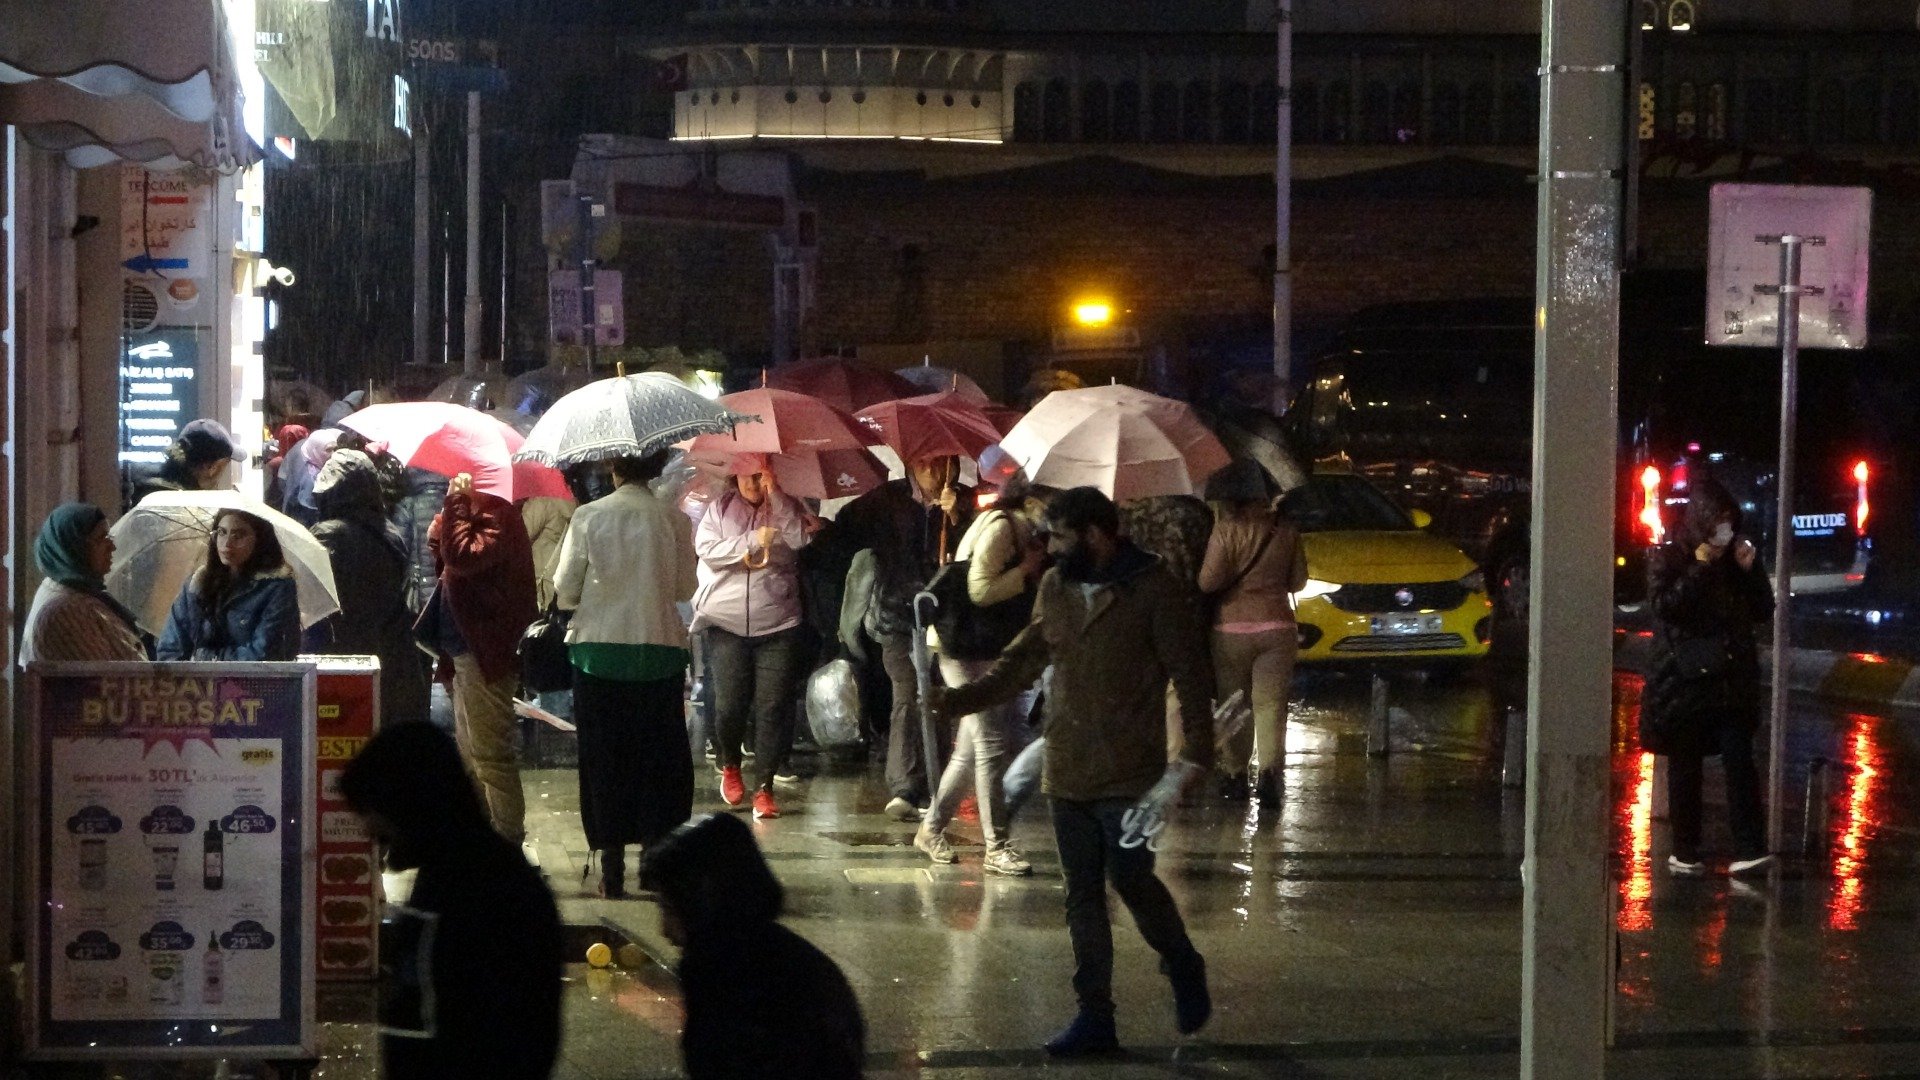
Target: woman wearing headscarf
<point>73,618</point>
<point>370,570</point>
<point>241,604</point>
<point>1702,697</point>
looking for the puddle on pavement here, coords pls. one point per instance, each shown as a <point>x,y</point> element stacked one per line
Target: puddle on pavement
<point>888,875</point>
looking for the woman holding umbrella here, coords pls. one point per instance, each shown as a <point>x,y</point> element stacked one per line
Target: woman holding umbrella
<point>626,562</point>
<point>749,607</point>
<point>240,605</point>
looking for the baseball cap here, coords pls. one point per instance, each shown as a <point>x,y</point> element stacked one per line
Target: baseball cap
<point>205,441</point>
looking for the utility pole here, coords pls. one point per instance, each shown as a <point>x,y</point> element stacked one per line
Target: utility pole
<point>1283,206</point>
<point>470,322</point>
<point>1566,964</point>
<point>422,232</point>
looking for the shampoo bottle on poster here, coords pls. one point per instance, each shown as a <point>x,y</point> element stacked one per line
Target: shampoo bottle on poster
<point>212,982</point>
<point>213,857</point>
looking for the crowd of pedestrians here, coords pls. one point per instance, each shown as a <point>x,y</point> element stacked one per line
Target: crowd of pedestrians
<point>1127,626</point>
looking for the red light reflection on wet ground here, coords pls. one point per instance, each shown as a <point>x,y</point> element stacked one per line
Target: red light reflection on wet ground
<point>1633,807</point>
<point>1860,817</point>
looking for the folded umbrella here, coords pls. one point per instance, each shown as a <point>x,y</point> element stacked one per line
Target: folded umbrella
<point>933,425</point>
<point>163,540</point>
<point>1126,442</point>
<point>845,384</point>
<point>449,439</point>
<point>625,416</point>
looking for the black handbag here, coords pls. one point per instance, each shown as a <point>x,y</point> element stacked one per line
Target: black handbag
<point>967,630</point>
<point>544,664</point>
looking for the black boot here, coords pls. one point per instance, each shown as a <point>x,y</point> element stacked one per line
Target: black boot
<point>613,873</point>
<point>1266,789</point>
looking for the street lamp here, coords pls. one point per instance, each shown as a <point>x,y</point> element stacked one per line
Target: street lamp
<point>1093,313</point>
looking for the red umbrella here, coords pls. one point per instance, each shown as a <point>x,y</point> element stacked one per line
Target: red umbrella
<point>844,384</point>
<point>790,423</point>
<point>934,425</point>
<point>450,439</point>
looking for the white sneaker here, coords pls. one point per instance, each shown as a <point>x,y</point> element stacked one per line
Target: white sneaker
<point>1743,866</point>
<point>1006,862</point>
<point>900,809</point>
<point>1680,867</point>
<point>935,845</point>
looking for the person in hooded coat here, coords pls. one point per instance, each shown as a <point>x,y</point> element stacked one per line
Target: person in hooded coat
<point>1703,696</point>
<point>241,604</point>
<point>73,618</point>
<point>761,1001</point>
<point>370,572</point>
<point>471,961</point>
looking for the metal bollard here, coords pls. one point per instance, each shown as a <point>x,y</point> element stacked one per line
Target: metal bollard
<point>1813,823</point>
<point>1513,761</point>
<point>1377,727</point>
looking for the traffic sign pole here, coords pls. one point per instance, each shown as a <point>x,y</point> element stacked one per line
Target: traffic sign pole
<point>1783,534</point>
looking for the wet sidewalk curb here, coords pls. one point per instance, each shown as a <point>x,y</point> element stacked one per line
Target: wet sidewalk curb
<point>1853,677</point>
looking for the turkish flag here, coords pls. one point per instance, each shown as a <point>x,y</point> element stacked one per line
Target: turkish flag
<point>670,74</point>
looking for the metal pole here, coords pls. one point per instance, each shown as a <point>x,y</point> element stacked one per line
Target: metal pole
<point>470,321</point>
<point>1783,537</point>
<point>446,290</point>
<point>1566,910</point>
<point>504,244</point>
<point>1283,207</point>
<point>422,236</point>
<point>589,312</point>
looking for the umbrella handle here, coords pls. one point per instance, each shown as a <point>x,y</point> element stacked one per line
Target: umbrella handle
<point>766,556</point>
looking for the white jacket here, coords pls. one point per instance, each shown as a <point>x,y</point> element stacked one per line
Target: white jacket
<point>626,561</point>
<point>749,603</point>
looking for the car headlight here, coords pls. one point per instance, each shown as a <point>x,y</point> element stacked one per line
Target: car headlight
<point>1474,582</point>
<point>1315,587</point>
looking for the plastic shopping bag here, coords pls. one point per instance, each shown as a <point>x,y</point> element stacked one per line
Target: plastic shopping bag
<point>833,705</point>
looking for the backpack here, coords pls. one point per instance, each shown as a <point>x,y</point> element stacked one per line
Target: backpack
<point>967,630</point>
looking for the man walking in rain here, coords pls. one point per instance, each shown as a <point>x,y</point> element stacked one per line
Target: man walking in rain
<point>1116,626</point>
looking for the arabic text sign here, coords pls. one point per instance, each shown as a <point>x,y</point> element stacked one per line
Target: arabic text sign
<point>166,223</point>
<point>1743,263</point>
<point>170,852</point>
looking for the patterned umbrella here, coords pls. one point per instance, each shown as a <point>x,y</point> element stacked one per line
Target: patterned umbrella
<point>625,416</point>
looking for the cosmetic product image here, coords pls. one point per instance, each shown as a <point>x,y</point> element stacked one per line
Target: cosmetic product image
<point>166,856</point>
<point>213,856</point>
<point>212,981</point>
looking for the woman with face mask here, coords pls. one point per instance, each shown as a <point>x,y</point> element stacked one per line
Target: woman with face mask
<point>241,603</point>
<point>1703,695</point>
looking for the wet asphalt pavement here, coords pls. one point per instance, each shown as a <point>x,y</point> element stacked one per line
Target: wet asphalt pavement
<point>1370,925</point>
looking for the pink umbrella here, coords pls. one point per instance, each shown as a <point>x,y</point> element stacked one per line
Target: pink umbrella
<point>790,423</point>
<point>844,384</point>
<point>826,474</point>
<point>934,425</point>
<point>451,439</point>
<point>1126,442</point>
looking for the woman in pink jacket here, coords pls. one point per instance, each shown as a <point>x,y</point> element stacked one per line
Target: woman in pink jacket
<point>748,605</point>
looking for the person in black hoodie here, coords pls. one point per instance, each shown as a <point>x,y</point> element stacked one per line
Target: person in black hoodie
<point>720,903</point>
<point>471,962</point>
<point>1702,697</point>
<point>370,570</point>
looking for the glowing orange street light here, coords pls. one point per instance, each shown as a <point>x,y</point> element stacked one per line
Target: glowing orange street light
<point>1093,313</point>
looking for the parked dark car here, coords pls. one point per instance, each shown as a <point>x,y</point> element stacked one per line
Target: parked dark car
<point>1434,403</point>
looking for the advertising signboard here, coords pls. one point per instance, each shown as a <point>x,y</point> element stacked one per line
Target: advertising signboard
<point>169,853</point>
<point>346,910</point>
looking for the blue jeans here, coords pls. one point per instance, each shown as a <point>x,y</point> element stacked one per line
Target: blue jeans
<point>1088,834</point>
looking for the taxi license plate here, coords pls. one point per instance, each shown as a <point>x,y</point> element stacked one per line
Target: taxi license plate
<point>1405,624</point>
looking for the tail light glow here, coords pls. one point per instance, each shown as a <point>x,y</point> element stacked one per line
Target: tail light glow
<point>1861,474</point>
<point>1656,529</point>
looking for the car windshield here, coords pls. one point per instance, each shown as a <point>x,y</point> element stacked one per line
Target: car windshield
<point>1343,503</point>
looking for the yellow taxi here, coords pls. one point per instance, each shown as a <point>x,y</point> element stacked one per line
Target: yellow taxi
<point>1378,585</point>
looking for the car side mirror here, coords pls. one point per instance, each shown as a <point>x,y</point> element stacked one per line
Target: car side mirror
<point>1421,519</point>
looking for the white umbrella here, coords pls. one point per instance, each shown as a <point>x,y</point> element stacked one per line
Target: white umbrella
<point>163,541</point>
<point>1126,442</point>
<point>625,416</point>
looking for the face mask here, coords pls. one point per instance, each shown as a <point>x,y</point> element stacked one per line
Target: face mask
<point>1722,535</point>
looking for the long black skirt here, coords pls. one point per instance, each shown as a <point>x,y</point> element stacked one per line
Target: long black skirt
<point>636,765</point>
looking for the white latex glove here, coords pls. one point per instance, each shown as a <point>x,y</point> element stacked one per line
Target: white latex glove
<point>1143,823</point>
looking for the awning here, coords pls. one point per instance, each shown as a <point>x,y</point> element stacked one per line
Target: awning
<point>152,81</point>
